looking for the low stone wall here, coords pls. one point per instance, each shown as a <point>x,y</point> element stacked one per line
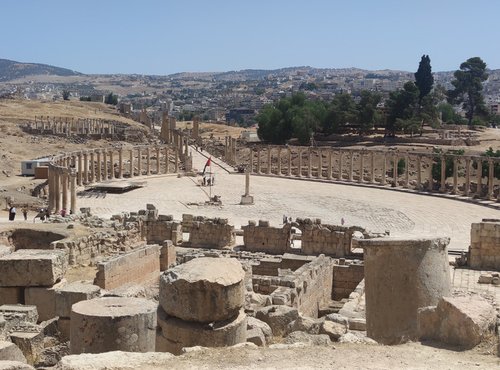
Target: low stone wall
<point>318,238</point>
<point>211,233</point>
<point>267,239</point>
<point>484,252</point>
<point>346,277</point>
<point>136,267</point>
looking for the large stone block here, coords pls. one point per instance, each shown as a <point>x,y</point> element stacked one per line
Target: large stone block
<point>10,352</point>
<point>203,289</point>
<point>32,267</point>
<point>113,324</point>
<point>460,321</point>
<point>278,318</point>
<point>12,295</point>
<point>44,299</point>
<point>17,313</point>
<point>177,334</point>
<point>72,293</point>
<point>30,343</point>
<point>15,365</point>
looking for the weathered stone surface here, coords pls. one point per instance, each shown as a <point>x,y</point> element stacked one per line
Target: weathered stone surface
<point>179,333</point>
<point>401,276</point>
<point>113,323</point>
<point>32,267</point>
<point>253,323</point>
<point>18,313</point>
<point>71,293</point>
<point>10,352</point>
<point>278,318</point>
<point>113,361</point>
<point>11,295</point>
<point>30,343</point>
<point>203,289</point>
<point>335,317</point>
<point>311,339</point>
<point>460,321</point>
<point>356,337</point>
<point>305,324</point>
<point>357,323</point>
<point>44,299</point>
<point>333,329</point>
<point>256,336</point>
<point>15,365</point>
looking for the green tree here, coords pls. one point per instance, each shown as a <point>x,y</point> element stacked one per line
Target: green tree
<point>341,112</point>
<point>367,114</point>
<point>468,86</point>
<point>402,105</point>
<point>65,95</point>
<point>111,99</point>
<point>423,78</point>
<point>448,114</point>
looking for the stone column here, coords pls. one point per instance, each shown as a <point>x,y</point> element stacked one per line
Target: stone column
<point>235,142</point>
<point>92,167</point>
<point>479,163</point>
<point>226,149</point>
<point>57,188</point>
<point>372,167</point>
<point>186,146</point>
<point>148,161</point>
<point>407,171</point>
<point>490,178</point>
<point>455,175</point>
<point>166,159</point>
<point>52,190</point>
<point>258,161</point>
<point>105,163</point>
<point>419,172</point>
<point>85,168</point>
<point>299,174</point>
<point>429,175</point>
<point>384,169</point>
<point>329,169</point>
<point>250,161</point>
<point>80,172</point>
<point>139,161</point>
<point>279,161</point>
<point>73,192</point>
<point>176,166</point>
<point>131,163</point>
<point>341,154</point>
<point>289,162</point>
<point>309,162</point>
<point>442,188</point>
<point>467,177</point>
<point>269,160</point>
<point>120,163</point>
<point>394,170</point>
<point>351,164</point>
<point>361,165</point>
<point>157,160</point>
<point>98,173</point>
<point>320,164</point>
<point>111,165</point>
<point>64,183</point>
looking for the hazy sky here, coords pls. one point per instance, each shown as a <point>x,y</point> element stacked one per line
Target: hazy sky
<point>163,37</point>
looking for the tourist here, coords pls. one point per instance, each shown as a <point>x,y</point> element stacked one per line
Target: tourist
<point>285,219</point>
<point>342,221</point>
<point>47,214</point>
<point>25,214</point>
<point>63,212</point>
<point>12,213</point>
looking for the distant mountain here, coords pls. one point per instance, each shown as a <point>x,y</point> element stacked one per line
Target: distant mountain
<point>11,70</point>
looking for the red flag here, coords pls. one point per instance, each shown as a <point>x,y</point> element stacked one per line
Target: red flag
<point>207,164</point>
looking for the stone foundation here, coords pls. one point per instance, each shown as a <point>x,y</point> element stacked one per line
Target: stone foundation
<point>484,252</point>
<point>211,233</point>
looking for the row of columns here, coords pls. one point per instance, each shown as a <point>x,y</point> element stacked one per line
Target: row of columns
<point>345,167</point>
<point>69,126</point>
<point>62,181</point>
<point>230,150</point>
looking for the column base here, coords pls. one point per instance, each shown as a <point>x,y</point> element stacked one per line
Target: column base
<point>246,200</point>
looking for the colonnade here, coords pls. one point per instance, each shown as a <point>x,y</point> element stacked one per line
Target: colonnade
<point>69,170</point>
<point>70,126</point>
<point>412,170</point>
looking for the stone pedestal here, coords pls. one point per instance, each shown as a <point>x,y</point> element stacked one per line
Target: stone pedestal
<point>401,276</point>
<point>113,324</point>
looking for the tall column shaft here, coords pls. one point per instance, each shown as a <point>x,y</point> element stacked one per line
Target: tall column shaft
<point>490,178</point>
<point>309,162</point>
<point>289,162</point>
<point>157,160</point>
<point>73,193</point>
<point>269,160</point>
<point>372,167</point>
<point>105,165</point>
<point>455,175</point>
<point>64,183</point>
<point>98,174</point>
<point>131,163</point>
<point>442,188</point>
<point>361,165</point>
<point>351,164</point>
<point>467,177</point>
<point>139,161</point>
<point>279,161</point>
<point>80,172</point>
<point>329,169</point>
<point>92,168</point>
<point>120,163</point>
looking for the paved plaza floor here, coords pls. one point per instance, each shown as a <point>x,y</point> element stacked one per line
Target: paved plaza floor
<point>403,214</point>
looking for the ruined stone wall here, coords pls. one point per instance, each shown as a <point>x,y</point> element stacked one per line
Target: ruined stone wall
<point>211,233</point>
<point>156,231</point>
<point>138,266</point>
<point>485,245</point>
<point>331,240</point>
<point>263,238</point>
<point>346,278</point>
